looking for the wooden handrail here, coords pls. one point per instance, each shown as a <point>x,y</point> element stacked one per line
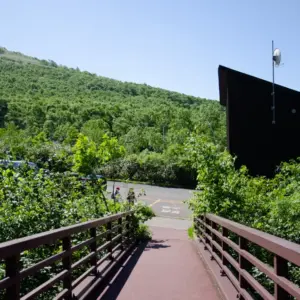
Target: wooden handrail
<point>19,245</point>
<point>213,231</point>
<point>113,241</point>
<point>267,241</point>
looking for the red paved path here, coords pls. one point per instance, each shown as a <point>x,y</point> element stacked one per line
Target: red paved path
<point>168,269</point>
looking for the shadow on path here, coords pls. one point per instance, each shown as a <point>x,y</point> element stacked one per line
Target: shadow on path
<point>157,244</point>
<point>115,286</point>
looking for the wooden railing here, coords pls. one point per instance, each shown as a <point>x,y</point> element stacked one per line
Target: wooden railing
<point>233,245</point>
<point>102,243</point>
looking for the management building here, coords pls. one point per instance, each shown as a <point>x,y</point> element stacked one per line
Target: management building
<point>257,143</point>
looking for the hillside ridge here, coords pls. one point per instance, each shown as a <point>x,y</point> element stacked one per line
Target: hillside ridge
<point>19,57</point>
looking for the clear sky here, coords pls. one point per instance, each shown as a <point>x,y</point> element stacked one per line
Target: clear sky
<point>171,44</point>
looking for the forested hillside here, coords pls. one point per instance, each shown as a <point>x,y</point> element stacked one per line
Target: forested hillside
<point>44,108</point>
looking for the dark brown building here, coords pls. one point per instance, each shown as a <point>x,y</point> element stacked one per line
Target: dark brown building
<point>257,143</point>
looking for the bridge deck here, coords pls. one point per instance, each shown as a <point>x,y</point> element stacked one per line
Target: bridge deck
<point>168,267</point>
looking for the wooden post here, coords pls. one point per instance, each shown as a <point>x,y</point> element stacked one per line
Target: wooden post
<point>281,269</point>
<point>120,230</point>
<point>244,264</point>
<point>128,220</point>
<point>207,222</point>
<point>206,231</point>
<point>12,265</point>
<point>127,230</point>
<point>67,264</point>
<point>93,248</point>
<point>213,236</point>
<point>198,228</point>
<point>108,239</point>
<point>224,249</point>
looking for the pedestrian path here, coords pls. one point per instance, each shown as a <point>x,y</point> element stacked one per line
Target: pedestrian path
<point>170,223</point>
<point>166,268</point>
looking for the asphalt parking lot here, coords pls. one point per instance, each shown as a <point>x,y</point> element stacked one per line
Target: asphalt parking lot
<point>166,202</point>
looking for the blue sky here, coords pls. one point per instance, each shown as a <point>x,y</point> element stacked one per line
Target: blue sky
<point>175,45</point>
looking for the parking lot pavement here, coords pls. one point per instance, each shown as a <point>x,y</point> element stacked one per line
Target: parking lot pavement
<point>166,202</point>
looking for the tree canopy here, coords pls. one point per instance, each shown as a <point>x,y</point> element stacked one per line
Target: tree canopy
<point>64,104</point>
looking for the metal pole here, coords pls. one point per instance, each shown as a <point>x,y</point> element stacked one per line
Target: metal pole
<point>113,192</point>
<point>273,85</point>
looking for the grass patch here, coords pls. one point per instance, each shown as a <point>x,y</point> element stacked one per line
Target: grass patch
<point>191,232</point>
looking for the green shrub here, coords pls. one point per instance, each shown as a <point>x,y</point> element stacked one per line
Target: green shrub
<point>191,231</point>
<point>33,202</point>
<point>143,233</point>
<point>271,205</point>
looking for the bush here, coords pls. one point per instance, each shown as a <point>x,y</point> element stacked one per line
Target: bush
<point>143,214</point>
<point>151,167</point>
<point>33,202</point>
<point>270,205</point>
<point>143,233</point>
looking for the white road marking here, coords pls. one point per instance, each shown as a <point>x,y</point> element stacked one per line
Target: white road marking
<point>158,200</point>
<point>172,210</point>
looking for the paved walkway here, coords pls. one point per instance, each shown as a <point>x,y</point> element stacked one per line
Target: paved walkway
<point>168,268</point>
<point>170,223</point>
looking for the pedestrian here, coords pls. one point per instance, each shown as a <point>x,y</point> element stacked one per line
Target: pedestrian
<point>117,194</point>
<point>131,196</point>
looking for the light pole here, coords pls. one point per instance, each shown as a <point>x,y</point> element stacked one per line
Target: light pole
<point>276,58</point>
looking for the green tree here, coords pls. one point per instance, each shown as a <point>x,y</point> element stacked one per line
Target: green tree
<point>109,149</point>
<point>85,155</point>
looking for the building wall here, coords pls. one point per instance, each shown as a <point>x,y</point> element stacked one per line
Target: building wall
<point>257,143</point>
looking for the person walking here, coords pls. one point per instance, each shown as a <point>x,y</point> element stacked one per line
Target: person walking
<point>117,194</point>
<point>131,196</point>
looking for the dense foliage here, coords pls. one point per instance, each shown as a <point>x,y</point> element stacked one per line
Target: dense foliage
<point>32,202</point>
<point>59,103</point>
<point>271,205</point>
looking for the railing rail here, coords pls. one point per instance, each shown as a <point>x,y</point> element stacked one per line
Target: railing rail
<point>214,232</point>
<point>116,237</point>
